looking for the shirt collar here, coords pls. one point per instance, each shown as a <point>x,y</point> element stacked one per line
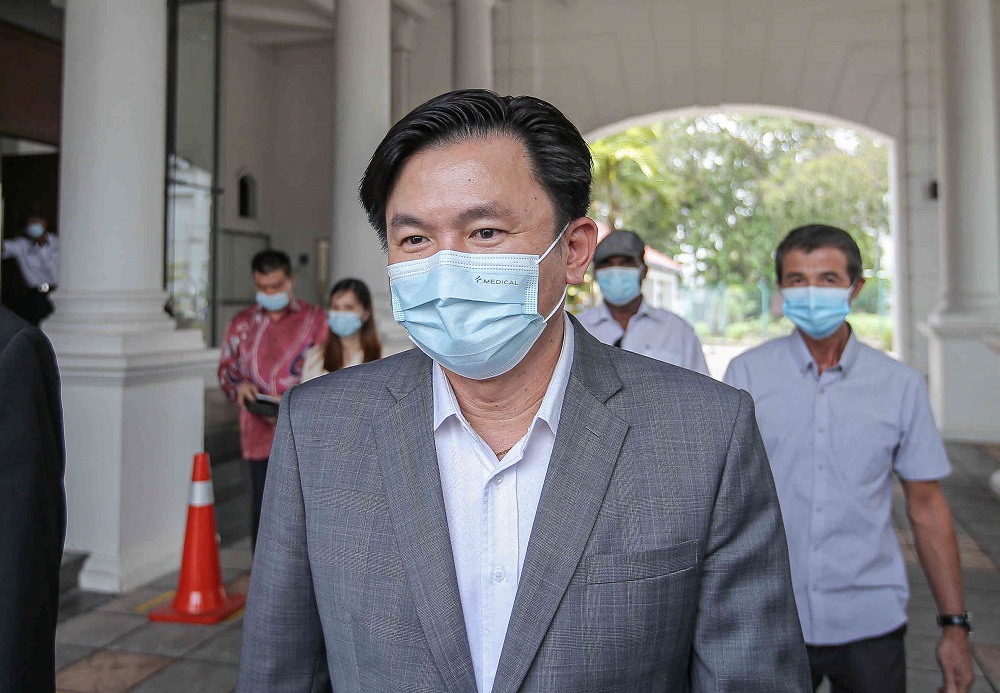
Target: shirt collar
<point>804,359</point>
<point>446,404</point>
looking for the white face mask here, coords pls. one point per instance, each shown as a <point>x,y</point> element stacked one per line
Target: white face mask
<point>475,314</point>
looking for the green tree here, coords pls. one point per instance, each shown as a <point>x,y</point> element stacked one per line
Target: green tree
<point>725,188</point>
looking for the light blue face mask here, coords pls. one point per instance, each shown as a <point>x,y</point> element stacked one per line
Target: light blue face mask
<point>619,285</point>
<point>343,323</point>
<point>817,310</point>
<point>273,302</point>
<point>35,231</point>
<point>475,314</point>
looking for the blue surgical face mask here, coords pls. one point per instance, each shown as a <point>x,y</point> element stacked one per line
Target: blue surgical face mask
<point>273,302</point>
<point>817,310</point>
<point>475,314</point>
<point>619,285</point>
<point>35,231</point>
<point>343,323</point>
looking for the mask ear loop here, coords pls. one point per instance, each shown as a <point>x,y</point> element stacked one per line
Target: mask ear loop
<point>541,257</point>
<point>559,304</point>
<point>554,243</point>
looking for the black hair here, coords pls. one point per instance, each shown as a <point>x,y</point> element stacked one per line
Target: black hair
<point>559,156</point>
<point>267,261</point>
<point>815,236</point>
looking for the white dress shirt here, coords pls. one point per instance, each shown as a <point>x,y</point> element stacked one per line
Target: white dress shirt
<point>491,506</point>
<point>39,263</point>
<point>652,332</point>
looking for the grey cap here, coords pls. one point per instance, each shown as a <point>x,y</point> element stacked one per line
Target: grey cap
<point>623,243</point>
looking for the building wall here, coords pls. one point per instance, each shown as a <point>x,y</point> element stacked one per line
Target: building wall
<point>246,135</point>
<point>278,115</point>
<point>431,71</point>
<point>301,161</point>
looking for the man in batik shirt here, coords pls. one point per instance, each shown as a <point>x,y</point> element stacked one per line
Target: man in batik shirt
<point>262,355</point>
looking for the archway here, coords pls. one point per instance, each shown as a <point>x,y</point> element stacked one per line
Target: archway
<point>716,189</point>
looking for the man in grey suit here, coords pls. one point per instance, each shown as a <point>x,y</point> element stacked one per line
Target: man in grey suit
<point>514,506</point>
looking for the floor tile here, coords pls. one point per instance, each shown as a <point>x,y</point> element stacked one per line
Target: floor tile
<point>67,653</point>
<point>139,601</point>
<point>237,557</point>
<point>77,601</point>
<point>223,647</point>
<point>239,585</point>
<point>108,672</point>
<point>169,581</point>
<point>97,628</point>
<point>191,677</point>
<point>921,652</point>
<point>988,657</point>
<point>168,639</point>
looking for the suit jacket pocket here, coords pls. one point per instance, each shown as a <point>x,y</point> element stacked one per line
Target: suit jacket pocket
<point>613,567</point>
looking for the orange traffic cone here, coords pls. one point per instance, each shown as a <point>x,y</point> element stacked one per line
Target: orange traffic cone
<point>201,598</point>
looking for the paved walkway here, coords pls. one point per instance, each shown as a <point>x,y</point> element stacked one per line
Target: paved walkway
<point>107,645</point>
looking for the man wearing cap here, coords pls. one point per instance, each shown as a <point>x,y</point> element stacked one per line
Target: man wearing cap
<point>839,419</point>
<point>625,320</point>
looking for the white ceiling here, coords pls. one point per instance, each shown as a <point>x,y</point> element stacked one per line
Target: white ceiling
<point>282,22</point>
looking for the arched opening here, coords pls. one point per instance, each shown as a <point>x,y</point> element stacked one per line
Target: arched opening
<point>713,192</point>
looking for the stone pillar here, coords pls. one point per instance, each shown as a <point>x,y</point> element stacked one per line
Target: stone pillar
<point>964,372</point>
<point>404,34</point>
<point>133,385</point>
<point>361,115</point>
<point>473,44</point>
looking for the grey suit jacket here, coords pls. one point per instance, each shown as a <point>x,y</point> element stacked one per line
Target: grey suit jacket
<point>657,560</point>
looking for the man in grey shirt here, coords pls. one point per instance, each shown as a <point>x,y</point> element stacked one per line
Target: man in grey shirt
<point>838,418</point>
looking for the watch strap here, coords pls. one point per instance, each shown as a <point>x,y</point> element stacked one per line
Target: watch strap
<point>959,620</point>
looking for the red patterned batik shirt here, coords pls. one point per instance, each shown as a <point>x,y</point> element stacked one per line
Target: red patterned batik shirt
<point>268,353</point>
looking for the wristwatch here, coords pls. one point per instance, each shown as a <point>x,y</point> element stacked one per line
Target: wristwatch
<point>962,620</point>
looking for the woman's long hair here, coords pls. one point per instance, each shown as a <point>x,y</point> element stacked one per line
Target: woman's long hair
<point>371,345</point>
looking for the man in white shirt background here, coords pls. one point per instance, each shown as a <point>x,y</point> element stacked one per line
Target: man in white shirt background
<point>35,256</point>
<point>624,319</point>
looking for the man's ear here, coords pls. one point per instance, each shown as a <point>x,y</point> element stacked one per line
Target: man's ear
<point>581,242</point>
<point>858,285</point>
<point>644,271</point>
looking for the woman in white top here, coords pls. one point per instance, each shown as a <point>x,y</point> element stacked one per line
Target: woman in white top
<point>353,338</point>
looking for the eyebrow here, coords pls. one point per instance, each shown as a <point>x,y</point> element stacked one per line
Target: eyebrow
<point>400,219</point>
<point>483,211</point>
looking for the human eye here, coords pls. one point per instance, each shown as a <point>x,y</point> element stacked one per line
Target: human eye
<point>413,240</point>
<point>487,234</point>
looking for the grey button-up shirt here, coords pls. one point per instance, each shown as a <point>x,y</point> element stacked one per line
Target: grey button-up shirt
<point>833,441</point>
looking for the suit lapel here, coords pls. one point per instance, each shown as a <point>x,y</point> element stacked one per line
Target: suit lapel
<point>408,460</point>
<point>586,450</point>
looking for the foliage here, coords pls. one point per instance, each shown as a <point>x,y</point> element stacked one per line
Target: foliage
<point>721,190</point>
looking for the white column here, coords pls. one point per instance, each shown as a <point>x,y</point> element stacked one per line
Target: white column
<point>965,373</point>
<point>132,384</point>
<point>361,115</point>
<point>404,34</point>
<point>473,44</point>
